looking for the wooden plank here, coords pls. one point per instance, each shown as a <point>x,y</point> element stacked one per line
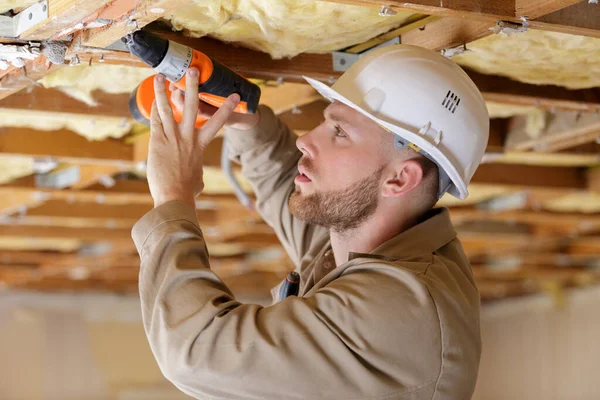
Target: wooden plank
<point>567,222</point>
<point>142,12</point>
<point>562,15</point>
<point>581,19</point>
<point>593,177</point>
<point>53,100</point>
<point>64,17</point>
<point>59,208</point>
<point>548,97</point>
<point>448,33</point>
<point>414,22</point>
<point>473,9</point>
<point>123,192</point>
<point>14,80</point>
<point>539,259</point>
<point>82,233</point>
<point>533,9</point>
<point>528,176</point>
<point>63,144</point>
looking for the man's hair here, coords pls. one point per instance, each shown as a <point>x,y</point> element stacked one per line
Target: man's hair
<point>430,183</point>
<point>429,187</point>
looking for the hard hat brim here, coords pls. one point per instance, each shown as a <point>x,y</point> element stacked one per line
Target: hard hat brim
<point>458,188</point>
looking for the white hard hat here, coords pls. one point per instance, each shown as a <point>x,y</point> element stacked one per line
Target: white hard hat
<point>427,101</point>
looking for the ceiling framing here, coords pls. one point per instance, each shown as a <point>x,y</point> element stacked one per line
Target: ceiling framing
<point>531,225</point>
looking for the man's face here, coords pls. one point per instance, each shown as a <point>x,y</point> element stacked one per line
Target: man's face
<point>340,171</point>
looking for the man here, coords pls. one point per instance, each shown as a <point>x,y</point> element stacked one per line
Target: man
<point>388,307</point>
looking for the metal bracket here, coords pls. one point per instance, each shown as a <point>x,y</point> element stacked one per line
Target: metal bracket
<point>58,179</point>
<point>510,28</point>
<point>13,27</point>
<point>342,60</point>
<point>451,52</point>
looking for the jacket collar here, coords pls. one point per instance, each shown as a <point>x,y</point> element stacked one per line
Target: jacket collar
<point>424,238</point>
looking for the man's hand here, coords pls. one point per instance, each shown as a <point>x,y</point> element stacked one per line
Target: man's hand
<point>236,121</point>
<point>176,151</point>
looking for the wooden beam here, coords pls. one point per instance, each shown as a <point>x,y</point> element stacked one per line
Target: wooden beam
<point>138,15</point>
<point>123,192</point>
<point>533,9</point>
<point>63,144</point>
<point>64,17</point>
<point>582,18</point>
<point>530,176</point>
<point>538,259</point>
<point>14,79</point>
<point>414,22</point>
<point>486,10</point>
<point>548,97</point>
<point>448,33</point>
<point>53,100</point>
<point>58,208</point>
<point>83,233</point>
<point>565,223</point>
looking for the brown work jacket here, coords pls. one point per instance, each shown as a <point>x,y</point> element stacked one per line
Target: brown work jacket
<point>401,322</point>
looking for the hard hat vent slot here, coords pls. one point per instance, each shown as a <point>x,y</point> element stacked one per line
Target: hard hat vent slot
<point>451,101</point>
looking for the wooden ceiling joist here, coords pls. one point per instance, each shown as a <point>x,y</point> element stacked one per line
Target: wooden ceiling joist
<point>129,15</point>
<point>55,101</point>
<point>473,9</point>
<point>64,145</point>
<point>64,17</point>
<point>547,97</point>
<point>468,20</point>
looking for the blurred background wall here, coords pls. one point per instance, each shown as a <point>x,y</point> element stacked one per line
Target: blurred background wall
<point>92,346</point>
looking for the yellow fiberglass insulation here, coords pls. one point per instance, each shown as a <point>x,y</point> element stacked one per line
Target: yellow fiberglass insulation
<point>283,28</point>
<point>13,167</point>
<point>537,57</point>
<point>80,82</point>
<point>98,128</point>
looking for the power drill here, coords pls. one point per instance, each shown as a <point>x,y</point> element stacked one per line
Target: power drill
<point>216,81</point>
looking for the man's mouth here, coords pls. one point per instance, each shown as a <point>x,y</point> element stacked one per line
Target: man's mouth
<point>302,177</point>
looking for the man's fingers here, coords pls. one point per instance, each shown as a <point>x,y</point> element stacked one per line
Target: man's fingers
<point>216,122</point>
<point>177,99</point>
<point>156,128</point>
<point>190,107</point>
<point>164,107</point>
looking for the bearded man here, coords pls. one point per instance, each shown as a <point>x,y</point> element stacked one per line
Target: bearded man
<point>386,306</point>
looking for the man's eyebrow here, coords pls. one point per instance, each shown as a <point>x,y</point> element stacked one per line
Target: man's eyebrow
<point>334,117</point>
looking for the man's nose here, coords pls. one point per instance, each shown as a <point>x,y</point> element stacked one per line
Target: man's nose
<point>306,145</point>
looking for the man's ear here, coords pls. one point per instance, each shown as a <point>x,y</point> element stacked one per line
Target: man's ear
<point>406,176</point>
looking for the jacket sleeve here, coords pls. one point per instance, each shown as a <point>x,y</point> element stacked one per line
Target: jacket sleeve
<point>269,159</point>
<point>339,343</point>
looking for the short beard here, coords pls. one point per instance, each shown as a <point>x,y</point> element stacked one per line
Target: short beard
<point>339,210</point>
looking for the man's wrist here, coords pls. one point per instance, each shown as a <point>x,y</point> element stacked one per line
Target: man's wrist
<point>166,198</point>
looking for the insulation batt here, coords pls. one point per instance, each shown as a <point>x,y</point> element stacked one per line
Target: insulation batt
<point>283,28</point>
<point>537,57</point>
<point>92,128</point>
<point>80,81</point>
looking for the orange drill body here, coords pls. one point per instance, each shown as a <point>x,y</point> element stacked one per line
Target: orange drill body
<point>216,82</point>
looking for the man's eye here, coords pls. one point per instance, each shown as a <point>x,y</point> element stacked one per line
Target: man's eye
<point>338,132</point>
